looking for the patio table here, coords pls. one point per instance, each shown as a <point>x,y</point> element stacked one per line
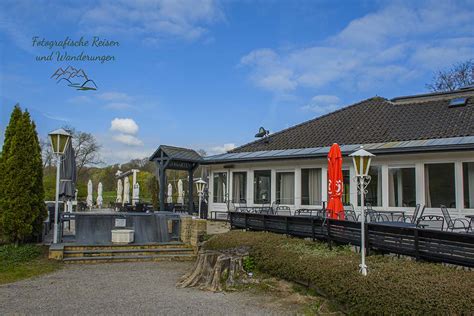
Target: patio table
<point>392,214</point>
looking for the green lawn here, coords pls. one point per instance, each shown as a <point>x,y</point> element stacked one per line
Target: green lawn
<point>25,261</point>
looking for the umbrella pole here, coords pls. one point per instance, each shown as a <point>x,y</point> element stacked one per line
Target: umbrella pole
<point>363,267</point>
<point>56,206</point>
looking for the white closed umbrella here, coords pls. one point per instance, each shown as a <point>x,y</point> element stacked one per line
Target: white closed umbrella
<point>89,200</point>
<point>100,199</point>
<point>170,194</point>
<point>119,191</point>
<point>180,192</point>
<point>126,190</point>
<point>135,193</point>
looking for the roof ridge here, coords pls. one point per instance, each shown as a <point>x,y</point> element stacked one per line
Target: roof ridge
<point>308,121</point>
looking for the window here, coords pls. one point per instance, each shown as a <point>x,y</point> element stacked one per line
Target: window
<point>239,187</point>
<point>285,188</point>
<point>262,186</point>
<point>374,189</point>
<point>401,187</point>
<point>468,184</point>
<point>439,185</point>
<point>220,189</point>
<point>311,186</point>
<point>346,193</point>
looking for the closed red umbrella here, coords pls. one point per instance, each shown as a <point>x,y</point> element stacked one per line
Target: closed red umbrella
<point>335,183</point>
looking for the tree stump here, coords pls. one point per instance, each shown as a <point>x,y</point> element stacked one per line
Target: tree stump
<point>216,270</point>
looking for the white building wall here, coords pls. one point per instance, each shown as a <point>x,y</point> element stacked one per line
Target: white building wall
<point>416,161</point>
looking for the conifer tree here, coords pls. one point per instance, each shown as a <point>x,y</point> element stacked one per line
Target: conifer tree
<point>21,192</point>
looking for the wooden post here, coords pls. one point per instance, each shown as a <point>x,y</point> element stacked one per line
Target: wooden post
<point>190,191</point>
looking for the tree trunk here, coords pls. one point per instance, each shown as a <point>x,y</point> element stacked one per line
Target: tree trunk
<point>215,271</point>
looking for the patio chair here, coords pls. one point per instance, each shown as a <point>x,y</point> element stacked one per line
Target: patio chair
<point>451,224</point>
<point>417,213</point>
<point>303,212</point>
<point>350,214</point>
<point>283,210</point>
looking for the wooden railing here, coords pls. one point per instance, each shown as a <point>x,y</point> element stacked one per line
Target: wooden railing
<point>425,244</point>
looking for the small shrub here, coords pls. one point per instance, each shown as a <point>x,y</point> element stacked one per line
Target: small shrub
<point>249,264</point>
<point>392,286</point>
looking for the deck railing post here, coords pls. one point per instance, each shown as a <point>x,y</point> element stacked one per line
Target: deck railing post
<point>312,229</point>
<point>417,250</point>
<point>366,233</point>
<point>246,220</point>
<point>328,221</point>
<point>264,222</point>
<point>287,226</point>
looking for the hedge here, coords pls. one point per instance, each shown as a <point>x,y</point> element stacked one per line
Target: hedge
<point>393,286</point>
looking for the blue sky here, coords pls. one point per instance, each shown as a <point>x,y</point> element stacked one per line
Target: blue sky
<point>206,74</point>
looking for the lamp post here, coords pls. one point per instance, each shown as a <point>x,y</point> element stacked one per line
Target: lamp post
<point>361,159</point>
<point>59,141</point>
<point>200,185</point>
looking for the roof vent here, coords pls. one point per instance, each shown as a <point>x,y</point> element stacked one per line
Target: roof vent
<point>454,103</point>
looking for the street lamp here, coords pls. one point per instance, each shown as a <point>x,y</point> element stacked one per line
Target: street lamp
<point>59,141</point>
<point>361,159</point>
<point>200,185</point>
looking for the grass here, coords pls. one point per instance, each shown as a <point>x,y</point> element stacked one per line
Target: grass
<point>24,261</point>
<point>393,286</point>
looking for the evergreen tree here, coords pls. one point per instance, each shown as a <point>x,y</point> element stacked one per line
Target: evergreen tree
<point>21,191</point>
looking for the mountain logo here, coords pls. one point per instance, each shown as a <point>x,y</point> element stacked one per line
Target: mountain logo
<point>74,78</point>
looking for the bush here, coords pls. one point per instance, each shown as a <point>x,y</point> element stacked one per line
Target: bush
<point>393,286</point>
<point>11,254</point>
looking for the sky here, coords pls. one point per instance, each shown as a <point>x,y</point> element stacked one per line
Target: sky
<point>207,74</point>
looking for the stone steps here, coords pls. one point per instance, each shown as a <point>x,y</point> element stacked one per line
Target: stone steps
<point>127,253</point>
<point>120,252</point>
<point>135,258</point>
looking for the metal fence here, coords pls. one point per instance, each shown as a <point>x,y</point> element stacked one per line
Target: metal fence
<point>425,244</point>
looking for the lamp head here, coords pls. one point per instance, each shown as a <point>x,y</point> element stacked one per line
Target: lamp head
<point>59,140</point>
<point>200,184</point>
<point>361,159</point>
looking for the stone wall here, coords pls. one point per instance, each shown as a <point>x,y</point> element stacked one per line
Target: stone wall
<point>192,230</point>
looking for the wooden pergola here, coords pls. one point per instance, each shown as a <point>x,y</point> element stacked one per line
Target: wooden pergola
<point>175,158</point>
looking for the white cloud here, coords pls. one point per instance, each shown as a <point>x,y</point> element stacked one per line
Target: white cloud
<point>321,104</point>
<point>153,20</point>
<point>127,139</point>
<point>221,149</point>
<point>124,126</point>
<point>396,43</point>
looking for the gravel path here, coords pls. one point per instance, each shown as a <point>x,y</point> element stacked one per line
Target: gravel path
<point>123,288</point>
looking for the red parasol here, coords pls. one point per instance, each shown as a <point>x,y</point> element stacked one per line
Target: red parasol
<point>335,183</point>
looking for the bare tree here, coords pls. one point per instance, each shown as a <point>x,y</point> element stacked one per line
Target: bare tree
<point>86,148</point>
<point>201,152</point>
<point>46,153</point>
<point>458,76</point>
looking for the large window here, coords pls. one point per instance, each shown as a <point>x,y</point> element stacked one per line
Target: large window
<point>374,189</point>
<point>468,184</point>
<point>239,187</point>
<point>401,187</point>
<point>262,186</point>
<point>285,188</point>
<point>439,185</point>
<point>220,187</point>
<point>346,192</point>
<point>311,186</point>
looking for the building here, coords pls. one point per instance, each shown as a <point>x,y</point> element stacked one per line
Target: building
<point>424,147</point>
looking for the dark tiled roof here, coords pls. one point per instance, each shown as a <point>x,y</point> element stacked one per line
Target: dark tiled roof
<point>378,120</point>
<point>177,153</point>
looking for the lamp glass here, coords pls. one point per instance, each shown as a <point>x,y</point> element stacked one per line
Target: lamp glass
<point>361,165</point>
<point>59,142</point>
